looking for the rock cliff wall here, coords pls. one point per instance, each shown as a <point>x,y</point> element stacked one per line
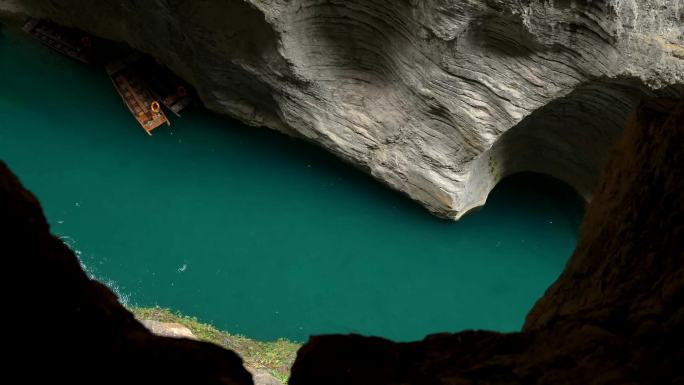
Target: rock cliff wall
<point>437,98</point>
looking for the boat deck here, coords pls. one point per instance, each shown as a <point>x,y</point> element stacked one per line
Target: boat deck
<point>137,97</point>
<point>142,83</point>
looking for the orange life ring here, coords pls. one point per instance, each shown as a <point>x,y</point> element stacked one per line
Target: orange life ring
<point>180,91</point>
<point>154,106</point>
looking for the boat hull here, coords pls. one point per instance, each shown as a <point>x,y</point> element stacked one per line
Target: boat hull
<point>63,40</point>
<point>138,98</point>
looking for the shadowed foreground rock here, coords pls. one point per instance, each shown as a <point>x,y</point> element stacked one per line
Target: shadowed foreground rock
<point>64,328</point>
<point>615,316</point>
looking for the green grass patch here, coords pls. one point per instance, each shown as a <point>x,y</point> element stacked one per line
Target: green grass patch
<point>275,356</point>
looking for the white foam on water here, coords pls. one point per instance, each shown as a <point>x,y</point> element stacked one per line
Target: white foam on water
<point>124,298</point>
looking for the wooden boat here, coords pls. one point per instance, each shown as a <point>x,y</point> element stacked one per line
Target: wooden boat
<point>69,42</point>
<point>165,86</point>
<point>137,97</point>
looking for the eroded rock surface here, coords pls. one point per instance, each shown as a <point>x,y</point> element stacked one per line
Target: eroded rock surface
<point>439,99</point>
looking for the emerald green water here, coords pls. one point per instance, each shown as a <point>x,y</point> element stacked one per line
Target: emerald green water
<point>258,233</point>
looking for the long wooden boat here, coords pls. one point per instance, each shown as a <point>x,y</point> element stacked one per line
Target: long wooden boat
<point>67,41</point>
<point>137,97</point>
<point>165,86</point>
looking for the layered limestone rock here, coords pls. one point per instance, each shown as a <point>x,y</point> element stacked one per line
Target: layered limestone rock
<point>439,99</point>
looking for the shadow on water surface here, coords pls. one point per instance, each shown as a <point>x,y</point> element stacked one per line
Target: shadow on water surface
<point>527,189</point>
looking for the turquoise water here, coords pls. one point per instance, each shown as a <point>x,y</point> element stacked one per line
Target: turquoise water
<point>259,233</point>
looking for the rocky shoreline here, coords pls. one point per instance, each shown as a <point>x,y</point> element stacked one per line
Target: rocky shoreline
<point>268,362</point>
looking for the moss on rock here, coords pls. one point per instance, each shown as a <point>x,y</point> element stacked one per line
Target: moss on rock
<point>275,356</point>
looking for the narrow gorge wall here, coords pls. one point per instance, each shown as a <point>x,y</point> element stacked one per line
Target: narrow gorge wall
<point>438,99</point>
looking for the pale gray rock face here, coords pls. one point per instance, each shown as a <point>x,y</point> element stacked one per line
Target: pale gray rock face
<point>439,99</point>
<point>168,329</point>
